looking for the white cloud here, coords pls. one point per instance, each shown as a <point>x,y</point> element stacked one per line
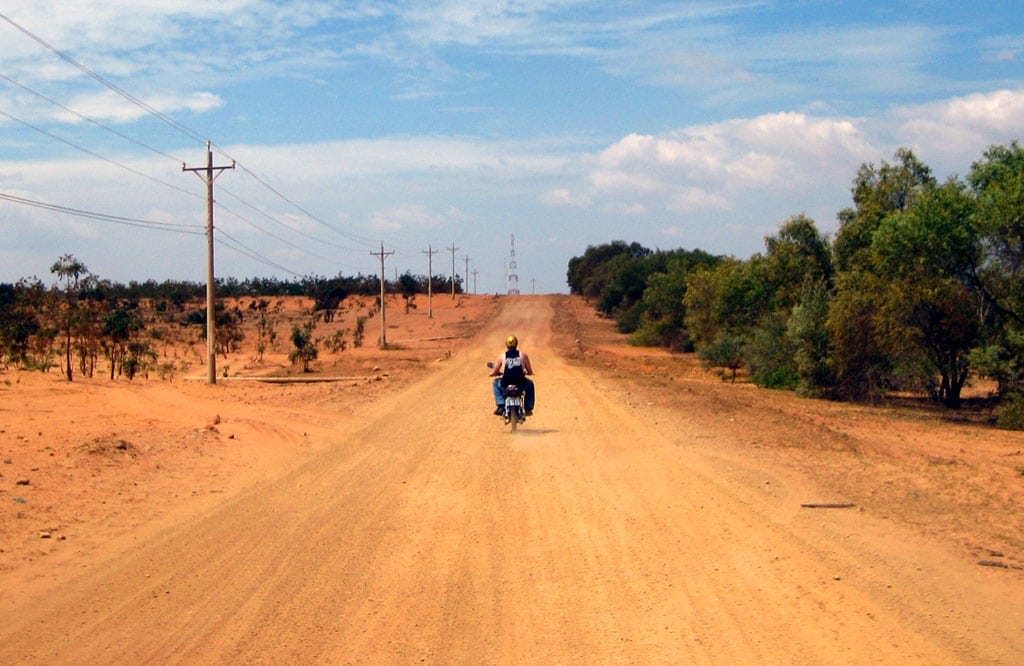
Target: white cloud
<point>949,130</point>
<point>563,198</point>
<point>109,106</point>
<point>690,199</point>
<point>406,216</point>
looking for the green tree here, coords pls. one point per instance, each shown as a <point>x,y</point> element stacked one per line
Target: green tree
<point>798,255</point>
<point>119,329</point>
<point>663,321</point>
<point>812,348</point>
<point>72,272</point>
<point>305,351</point>
<point>861,365</point>
<point>589,274</point>
<point>878,191</point>
<point>997,182</point>
<point>724,351</point>
<point>796,258</point>
<point>18,323</point>
<point>731,296</point>
<point>928,254</point>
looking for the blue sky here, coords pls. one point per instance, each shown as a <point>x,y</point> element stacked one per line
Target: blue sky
<point>426,124</point>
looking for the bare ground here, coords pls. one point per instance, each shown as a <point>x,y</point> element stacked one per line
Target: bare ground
<point>648,513</point>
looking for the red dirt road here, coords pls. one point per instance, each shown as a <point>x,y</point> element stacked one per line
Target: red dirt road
<point>421,530</point>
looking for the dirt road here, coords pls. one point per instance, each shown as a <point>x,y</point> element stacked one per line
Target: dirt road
<point>426,532</point>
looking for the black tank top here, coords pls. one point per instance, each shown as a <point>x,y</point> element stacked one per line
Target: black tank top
<point>513,372</point>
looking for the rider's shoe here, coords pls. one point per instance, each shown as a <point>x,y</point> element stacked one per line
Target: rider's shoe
<point>499,411</point>
<point>529,412</point>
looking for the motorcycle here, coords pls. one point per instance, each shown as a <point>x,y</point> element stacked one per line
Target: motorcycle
<point>514,411</point>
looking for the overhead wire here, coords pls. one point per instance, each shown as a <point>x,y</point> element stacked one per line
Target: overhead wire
<point>100,125</point>
<point>273,235</point>
<point>247,251</point>
<point>191,229</point>
<point>92,153</point>
<point>87,119</point>
<point>149,109</point>
<point>102,81</point>
<point>252,174</point>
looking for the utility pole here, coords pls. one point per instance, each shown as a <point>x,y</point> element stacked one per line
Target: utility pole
<point>467,273</point>
<point>453,249</point>
<point>430,252</point>
<point>383,315</point>
<point>533,282</point>
<point>208,174</point>
<point>475,272</point>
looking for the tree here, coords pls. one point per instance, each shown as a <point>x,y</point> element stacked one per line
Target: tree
<point>305,351</point>
<point>812,348</point>
<point>71,271</point>
<point>861,366</point>
<point>878,191</point>
<point>997,182</point>
<point>725,351</point>
<point>731,296</point>
<point>119,329</point>
<point>588,275</point>
<point>796,259</point>
<point>18,323</point>
<point>662,307</point>
<point>927,255</point>
<point>796,256</point>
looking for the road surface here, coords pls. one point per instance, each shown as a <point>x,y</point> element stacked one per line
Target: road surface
<point>429,533</point>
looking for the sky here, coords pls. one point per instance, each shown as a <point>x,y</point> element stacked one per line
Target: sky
<point>418,127</point>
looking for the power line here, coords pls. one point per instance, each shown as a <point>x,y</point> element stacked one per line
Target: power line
<point>102,81</point>
<point>252,174</point>
<point>273,219</point>
<point>274,236</point>
<point>170,122</point>
<point>247,251</point>
<point>92,153</point>
<point>116,219</point>
<point>87,119</point>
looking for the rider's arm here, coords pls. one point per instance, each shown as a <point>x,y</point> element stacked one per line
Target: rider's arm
<point>496,371</point>
<point>527,368</point>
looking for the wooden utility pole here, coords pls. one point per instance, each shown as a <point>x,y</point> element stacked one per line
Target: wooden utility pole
<point>430,252</point>
<point>383,311</point>
<point>467,274</point>
<point>453,250</point>
<point>208,174</point>
<point>475,272</point>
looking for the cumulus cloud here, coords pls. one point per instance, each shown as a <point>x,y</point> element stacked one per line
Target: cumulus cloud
<point>947,130</point>
<point>711,167</point>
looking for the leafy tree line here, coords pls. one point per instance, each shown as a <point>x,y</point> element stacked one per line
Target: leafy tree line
<point>180,292</point>
<point>81,318</point>
<point>921,288</point>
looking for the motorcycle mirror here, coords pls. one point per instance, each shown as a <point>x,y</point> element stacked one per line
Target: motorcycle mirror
<point>490,365</point>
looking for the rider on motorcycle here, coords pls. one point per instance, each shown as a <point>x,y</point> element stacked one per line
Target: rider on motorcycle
<point>512,368</point>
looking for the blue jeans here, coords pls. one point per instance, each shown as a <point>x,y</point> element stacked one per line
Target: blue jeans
<point>528,397</point>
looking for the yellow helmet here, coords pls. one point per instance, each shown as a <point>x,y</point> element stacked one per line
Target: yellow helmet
<point>511,342</point>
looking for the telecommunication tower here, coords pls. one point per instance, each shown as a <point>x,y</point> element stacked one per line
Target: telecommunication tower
<point>513,276</point>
